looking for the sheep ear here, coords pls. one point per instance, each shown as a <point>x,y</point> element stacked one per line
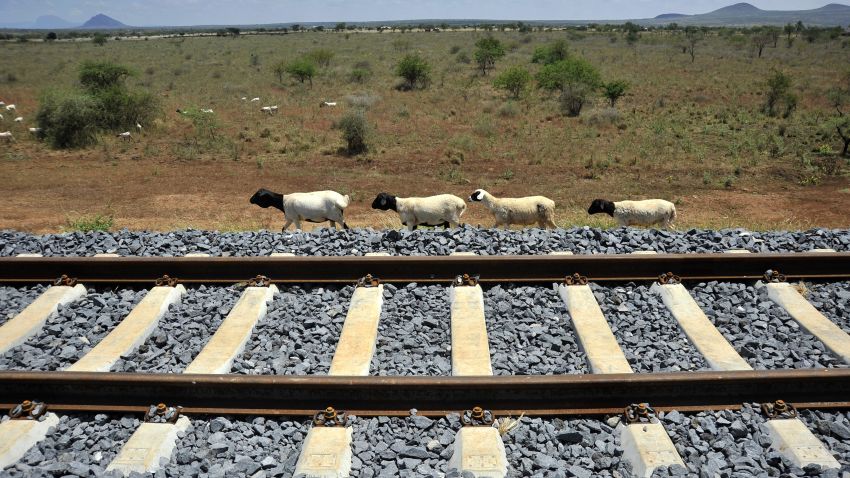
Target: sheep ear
<point>383,201</point>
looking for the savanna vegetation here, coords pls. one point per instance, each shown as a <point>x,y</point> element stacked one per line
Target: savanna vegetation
<point>739,128</point>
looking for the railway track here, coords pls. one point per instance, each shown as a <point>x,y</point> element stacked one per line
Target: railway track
<point>289,336</point>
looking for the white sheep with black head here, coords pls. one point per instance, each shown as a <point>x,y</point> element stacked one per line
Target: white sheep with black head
<point>316,206</point>
<point>648,212</point>
<point>440,210</point>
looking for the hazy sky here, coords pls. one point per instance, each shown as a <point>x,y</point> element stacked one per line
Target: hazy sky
<point>196,12</point>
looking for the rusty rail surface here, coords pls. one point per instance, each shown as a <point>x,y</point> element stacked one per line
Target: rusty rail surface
<point>347,269</point>
<point>432,396</point>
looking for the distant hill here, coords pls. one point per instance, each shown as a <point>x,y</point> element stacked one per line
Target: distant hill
<point>52,22</point>
<point>667,16</point>
<point>743,14</point>
<point>101,21</point>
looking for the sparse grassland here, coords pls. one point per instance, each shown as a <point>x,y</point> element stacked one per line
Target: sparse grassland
<point>691,132</point>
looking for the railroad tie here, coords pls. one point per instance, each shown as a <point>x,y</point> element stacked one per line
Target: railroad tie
<point>18,436</point>
<point>646,446</point>
<point>718,352</point>
<point>32,319</point>
<point>326,452</point>
<point>233,333</point>
<point>154,441</point>
<point>595,338</point>
<point>478,449</point>
<point>131,332</point>
<point>810,319</point>
<point>790,437</point>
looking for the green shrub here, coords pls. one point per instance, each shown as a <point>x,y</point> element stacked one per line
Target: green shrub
<point>359,75</point>
<point>487,51</point>
<point>354,132</point>
<point>99,39</point>
<point>553,53</point>
<point>73,119</point>
<point>614,90</point>
<point>514,80</point>
<point>321,56</point>
<point>68,120</point>
<point>415,71</point>
<point>575,78</point>
<point>98,222</point>
<point>778,93</point>
<point>302,70</point>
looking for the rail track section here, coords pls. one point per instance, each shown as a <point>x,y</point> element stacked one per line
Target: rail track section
<point>207,387</point>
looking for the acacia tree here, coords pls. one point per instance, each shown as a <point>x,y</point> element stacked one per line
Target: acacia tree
<point>760,38</point>
<point>415,71</point>
<point>839,97</point>
<point>575,78</point>
<point>615,90</point>
<point>514,80</point>
<point>487,51</point>
<point>302,69</point>
<point>778,92</point>
<point>554,52</point>
<point>693,37</point>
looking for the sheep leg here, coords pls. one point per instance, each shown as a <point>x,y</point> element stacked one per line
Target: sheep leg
<point>298,224</point>
<point>333,224</point>
<point>344,225</point>
<point>286,225</point>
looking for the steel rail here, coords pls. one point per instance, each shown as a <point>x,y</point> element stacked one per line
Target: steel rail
<point>432,396</point>
<point>430,269</point>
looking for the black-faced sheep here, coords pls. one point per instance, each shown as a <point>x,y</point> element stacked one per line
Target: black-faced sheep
<point>648,212</point>
<point>441,210</point>
<point>317,206</point>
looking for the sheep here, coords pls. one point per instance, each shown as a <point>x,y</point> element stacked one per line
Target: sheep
<point>125,136</point>
<point>637,213</point>
<point>35,130</point>
<point>138,127</point>
<point>1,117</point>
<point>19,119</point>
<point>11,108</point>
<point>244,98</point>
<point>7,136</point>
<point>269,109</point>
<point>207,111</point>
<point>2,104</point>
<point>441,210</point>
<point>522,211</point>
<point>254,100</point>
<point>317,206</point>
<point>327,103</point>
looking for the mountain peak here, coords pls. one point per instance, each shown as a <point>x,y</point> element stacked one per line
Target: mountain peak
<point>742,7</point>
<point>103,21</point>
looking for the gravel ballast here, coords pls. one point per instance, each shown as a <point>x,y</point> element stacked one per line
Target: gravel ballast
<point>648,334</point>
<point>80,445</point>
<point>414,331</point>
<point>182,332</point>
<point>15,299</point>
<point>299,333</point>
<point>759,329</point>
<point>74,330</point>
<point>322,242</point>
<point>530,332</point>
<point>833,301</point>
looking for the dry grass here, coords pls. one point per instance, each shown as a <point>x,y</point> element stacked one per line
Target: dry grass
<point>691,133</point>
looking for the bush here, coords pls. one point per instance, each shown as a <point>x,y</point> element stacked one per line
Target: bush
<point>302,70</point>
<point>778,86</point>
<point>321,57</point>
<point>557,51</point>
<point>73,119</point>
<point>354,131</point>
<point>415,71</point>
<point>98,222</point>
<point>359,75</point>
<point>508,110</point>
<point>487,51</point>
<point>68,120</point>
<point>514,80</point>
<point>99,39</point>
<point>575,78</point>
<point>614,90</point>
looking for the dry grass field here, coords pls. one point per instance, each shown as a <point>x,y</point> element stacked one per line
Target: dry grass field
<point>689,132</point>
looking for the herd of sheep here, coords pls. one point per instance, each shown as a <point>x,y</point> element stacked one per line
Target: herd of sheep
<point>446,209</point>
